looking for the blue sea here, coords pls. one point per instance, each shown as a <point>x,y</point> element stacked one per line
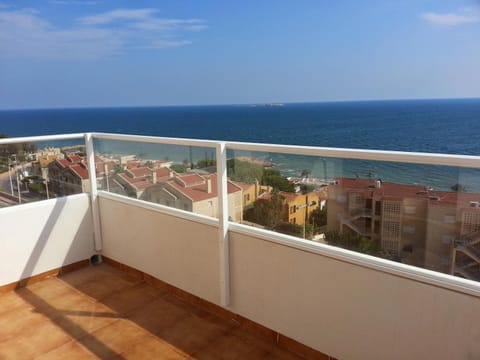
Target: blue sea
<point>438,126</point>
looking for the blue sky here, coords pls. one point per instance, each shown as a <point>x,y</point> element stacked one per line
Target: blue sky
<point>74,53</point>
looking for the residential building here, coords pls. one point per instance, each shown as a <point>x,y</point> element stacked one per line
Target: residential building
<point>134,181</point>
<point>251,192</point>
<point>43,158</point>
<point>297,207</point>
<point>196,193</point>
<point>68,176</point>
<point>416,225</point>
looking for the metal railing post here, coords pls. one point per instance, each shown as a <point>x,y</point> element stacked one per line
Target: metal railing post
<point>97,233</point>
<point>222,184</point>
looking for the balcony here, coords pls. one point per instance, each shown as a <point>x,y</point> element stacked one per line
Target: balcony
<point>103,312</point>
<point>180,282</point>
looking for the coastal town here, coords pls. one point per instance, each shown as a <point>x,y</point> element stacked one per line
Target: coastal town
<point>412,224</point>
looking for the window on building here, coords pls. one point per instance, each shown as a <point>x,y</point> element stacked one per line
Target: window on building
<point>391,236</point>
<point>470,222</point>
<point>391,208</point>
<point>355,201</point>
<point>391,230</point>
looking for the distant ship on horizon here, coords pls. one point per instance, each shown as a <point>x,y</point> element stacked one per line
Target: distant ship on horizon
<point>267,104</point>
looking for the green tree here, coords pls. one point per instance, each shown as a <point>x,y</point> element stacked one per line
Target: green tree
<point>205,163</point>
<point>295,229</point>
<point>355,242</point>
<point>179,168</point>
<point>318,218</point>
<point>148,164</point>
<point>369,246</point>
<point>273,178</point>
<point>244,171</point>
<point>268,212</point>
<point>306,188</point>
<point>118,168</point>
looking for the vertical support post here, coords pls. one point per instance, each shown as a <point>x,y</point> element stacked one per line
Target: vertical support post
<point>18,187</point>
<point>93,192</point>
<point>10,173</point>
<point>222,191</point>
<point>453,258</point>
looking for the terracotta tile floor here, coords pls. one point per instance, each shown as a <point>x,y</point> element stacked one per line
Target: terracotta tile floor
<point>100,312</point>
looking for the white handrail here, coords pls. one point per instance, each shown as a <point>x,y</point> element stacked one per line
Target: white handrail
<point>16,140</point>
<point>362,154</point>
<point>157,140</point>
<point>343,153</point>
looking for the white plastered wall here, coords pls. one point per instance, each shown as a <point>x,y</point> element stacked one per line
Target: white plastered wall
<point>348,311</point>
<point>180,252</point>
<point>43,236</point>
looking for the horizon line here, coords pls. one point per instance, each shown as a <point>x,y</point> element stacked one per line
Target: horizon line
<point>260,103</point>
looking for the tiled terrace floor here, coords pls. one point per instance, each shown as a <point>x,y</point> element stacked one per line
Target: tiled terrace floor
<point>101,312</point>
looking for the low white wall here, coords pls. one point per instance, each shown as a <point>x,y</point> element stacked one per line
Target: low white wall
<point>348,311</point>
<point>45,235</point>
<point>180,252</point>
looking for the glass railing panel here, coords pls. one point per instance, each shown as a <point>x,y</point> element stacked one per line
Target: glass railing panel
<point>36,171</point>
<point>423,215</point>
<point>178,176</point>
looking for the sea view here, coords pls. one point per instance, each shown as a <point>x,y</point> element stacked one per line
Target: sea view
<point>435,126</point>
<point>284,180</point>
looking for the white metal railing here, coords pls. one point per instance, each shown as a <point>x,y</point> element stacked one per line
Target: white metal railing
<point>221,148</point>
<point>360,154</point>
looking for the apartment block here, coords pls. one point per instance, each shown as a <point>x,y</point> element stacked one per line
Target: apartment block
<point>414,224</point>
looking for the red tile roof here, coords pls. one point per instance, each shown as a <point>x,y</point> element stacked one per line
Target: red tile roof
<point>100,166</point>
<point>79,170</point>
<point>199,192</point>
<point>64,162</point>
<point>137,183</point>
<point>395,191</point>
<point>140,172</point>
<point>74,158</point>
<point>289,196</point>
<point>132,164</point>
<point>163,174</point>
<point>189,180</point>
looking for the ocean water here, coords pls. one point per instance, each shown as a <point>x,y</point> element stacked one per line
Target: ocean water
<point>438,126</point>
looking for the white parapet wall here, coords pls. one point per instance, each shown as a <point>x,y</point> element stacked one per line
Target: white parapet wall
<point>181,252</point>
<point>346,310</point>
<point>43,236</point>
<point>337,307</point>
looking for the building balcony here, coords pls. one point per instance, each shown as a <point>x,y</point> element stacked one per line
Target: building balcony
<point>102,274</point>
